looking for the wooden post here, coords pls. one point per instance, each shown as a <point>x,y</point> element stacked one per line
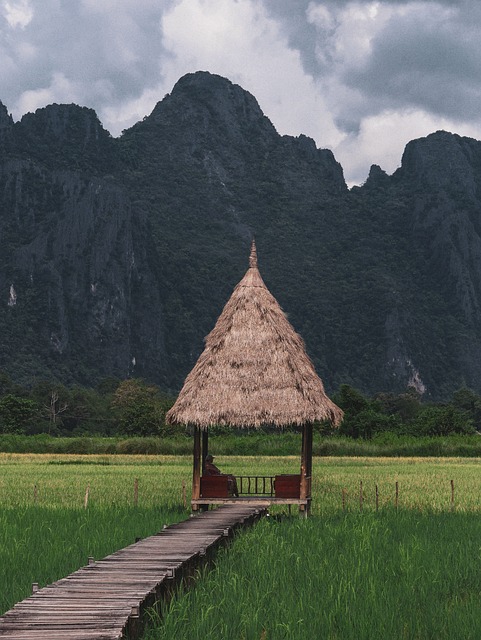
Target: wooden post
<point>377,498</point>
<point>306,468</point>
<point>196,468</point>
<point>309,460</point>
<point>452,495</point>
<point>184,496</point>
<point>360,496</point>
<point>35,494</point>
<point>343,499</point>
<point>309,466</point>
<point>86,499</point>
<point>205,447</point>
<point>303,487</point>
<point>396,500</point>
<point>136,492</point>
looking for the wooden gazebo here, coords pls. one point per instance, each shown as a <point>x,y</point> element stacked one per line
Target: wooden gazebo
<point>253,371</point>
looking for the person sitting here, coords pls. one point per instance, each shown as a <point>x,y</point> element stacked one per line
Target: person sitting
<point>211,470</point>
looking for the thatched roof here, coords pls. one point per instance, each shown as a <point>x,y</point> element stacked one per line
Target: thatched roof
<point>254,369</point>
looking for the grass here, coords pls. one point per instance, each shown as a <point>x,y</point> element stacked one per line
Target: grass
<point>61,480</point>
<point>46,533</point>
<point>248,443</point>
<point>370,576</point>
<point>44,544</point>
<point>424,484</point>
<point>407,573</point>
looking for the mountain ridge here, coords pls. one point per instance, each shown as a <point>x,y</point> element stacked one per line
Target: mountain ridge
<point>122,251</point>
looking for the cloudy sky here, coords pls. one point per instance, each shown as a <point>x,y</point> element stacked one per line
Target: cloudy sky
<point>362,78</point>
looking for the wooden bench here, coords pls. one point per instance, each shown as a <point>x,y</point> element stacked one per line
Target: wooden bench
<point>214,487</point>
<point>287,486</point>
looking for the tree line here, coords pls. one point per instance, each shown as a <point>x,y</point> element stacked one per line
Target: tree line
<point>134,407</point>
<point>115,407</point>
<point>407,414</point>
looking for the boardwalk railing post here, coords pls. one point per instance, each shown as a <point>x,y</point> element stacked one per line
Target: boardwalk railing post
<point>136,492</point>
<point>134,622</point>
<point>196,468</point>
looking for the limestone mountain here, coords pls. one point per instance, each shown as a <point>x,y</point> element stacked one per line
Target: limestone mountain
<point>117,255</point>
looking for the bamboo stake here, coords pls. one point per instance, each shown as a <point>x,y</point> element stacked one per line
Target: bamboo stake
<point>184,495</point>
<point>452,495</point>
<point>397,495</point>
<point>360,496</point>
<point>136,492</point>
<point>377,498</point>
<point>86,499</point>
<point>35,494</point>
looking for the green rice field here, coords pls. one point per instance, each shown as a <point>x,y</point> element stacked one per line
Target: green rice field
<point>375,576</point>
<point>365,565</point>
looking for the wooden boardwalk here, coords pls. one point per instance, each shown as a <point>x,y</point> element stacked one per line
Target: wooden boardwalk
<point>105,599</point>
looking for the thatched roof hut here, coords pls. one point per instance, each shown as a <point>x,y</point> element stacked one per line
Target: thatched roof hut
<point>254,369</point>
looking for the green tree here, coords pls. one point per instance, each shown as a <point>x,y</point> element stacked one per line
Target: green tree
<point>406,406</point>
<point>140,408</point>
<point>367,423</point>
<point>53,399</point>
<point>363,417</point>
<point>16,413</point>
<point>350,400</point>
<point>467,400</point>
<point>442,420</point>
<point>87,411</point>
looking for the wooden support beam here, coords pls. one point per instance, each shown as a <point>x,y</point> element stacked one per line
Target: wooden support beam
<point>196,467</point>
<point>303,492</point>
<point>306,467</point>
<point>205,447</point>
<point>309,452</point>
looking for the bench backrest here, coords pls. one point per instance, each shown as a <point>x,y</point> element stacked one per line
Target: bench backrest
<point>287,486</point>
<point>214,487</point>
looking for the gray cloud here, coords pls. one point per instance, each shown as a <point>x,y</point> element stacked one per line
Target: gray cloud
<point>428,57</point>
<point>351,74</point>
<point>300,33</point>
<point>421,61</point>
<point>101,55</point>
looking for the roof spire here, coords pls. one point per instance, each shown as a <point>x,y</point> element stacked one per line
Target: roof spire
<point>253,255</point>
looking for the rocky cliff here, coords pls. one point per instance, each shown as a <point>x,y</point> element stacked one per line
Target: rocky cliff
<point>118,254</point>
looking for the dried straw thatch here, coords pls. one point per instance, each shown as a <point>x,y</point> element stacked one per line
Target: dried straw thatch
<point>254,369</point>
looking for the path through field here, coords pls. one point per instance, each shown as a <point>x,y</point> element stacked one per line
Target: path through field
<point>104,599</point>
